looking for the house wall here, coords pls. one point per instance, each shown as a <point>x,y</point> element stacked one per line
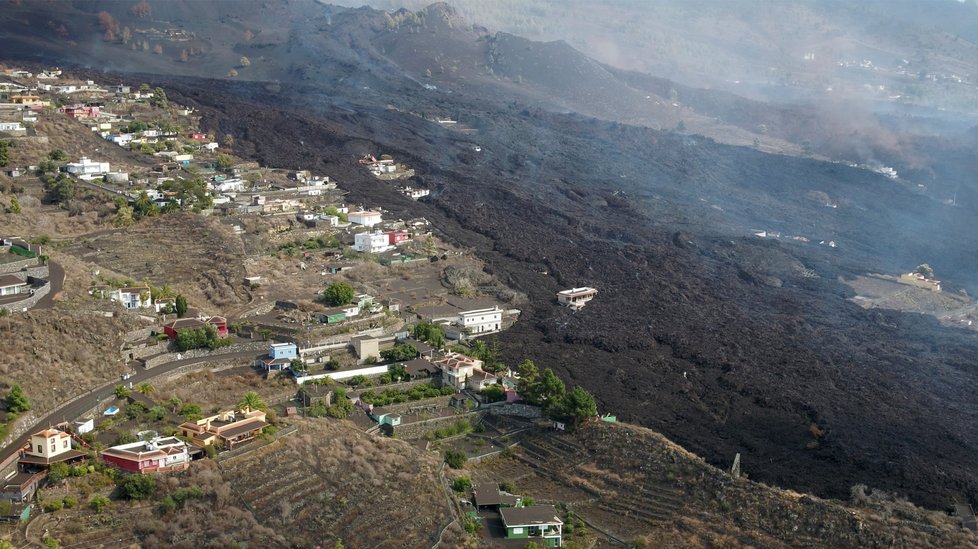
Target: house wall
<point>122,463</point>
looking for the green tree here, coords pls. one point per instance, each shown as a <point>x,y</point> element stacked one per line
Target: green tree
<point>224,161</point>
<point>124,216</point>
<point>547,392</point>
<point>58,155</point>
<point>145,388</point>
<point>403,351</point>
<point>339,293</point>
<point>14,205</point>
<point>16,401</point>
<point>159,98</point>
<point>121,391</point>
<point>253,401</point>
<point>297,365</point>
<point>61,189</point>
<point>4,152</point>
<point>191,412</point>
<point>529,375</point>
<point>137,486</point>
<point>579,405</point>
<point>925,270</point>
<point>181,305</point>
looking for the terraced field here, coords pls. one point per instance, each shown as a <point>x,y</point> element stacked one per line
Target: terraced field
<point>331,481</point>
<point>630,484</point>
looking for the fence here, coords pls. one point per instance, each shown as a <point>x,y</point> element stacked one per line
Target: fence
<point>201,353</point>
<point>230,454</point>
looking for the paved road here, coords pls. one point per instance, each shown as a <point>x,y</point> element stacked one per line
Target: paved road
<point>56,277</point>
<point>72,410</point>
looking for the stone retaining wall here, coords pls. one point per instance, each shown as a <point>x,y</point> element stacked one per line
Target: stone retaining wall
<point>418,429</point>
<point>14,266</point>
<point>28,302</point>
<point>521,410</point>
<point>200,353</point>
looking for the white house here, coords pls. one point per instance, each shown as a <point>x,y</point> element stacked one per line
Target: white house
<point>12,127</point>
<point>212,146</point>
<point>413,193</point>
<point>371,243</point>
<point>456,369</point>
<point>228,185</point>
<point>87,167</point>
<point>575,298</point>
<point>481,321</point>
<point>133,298</point>
<point>365,218</point>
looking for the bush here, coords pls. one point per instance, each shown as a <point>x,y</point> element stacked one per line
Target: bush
<point>16,401</point>
<point>70,502</point>
<point>137,487</point>
<point>99,503</point>
<point>52,506</point>
<point>462,484</point>
<point>455,458</point>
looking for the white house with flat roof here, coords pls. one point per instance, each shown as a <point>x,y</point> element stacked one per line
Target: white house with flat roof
<point>87,167</point>
<point>371,243</point>
<point>575,298</point>
<point>481,321</point>
<point>365,217</point>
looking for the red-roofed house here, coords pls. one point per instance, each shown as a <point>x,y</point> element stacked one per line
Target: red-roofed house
<point>159,454</point>
<point>180,324</point>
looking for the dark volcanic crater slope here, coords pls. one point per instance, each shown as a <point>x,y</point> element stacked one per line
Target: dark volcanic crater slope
<point>724,342</point>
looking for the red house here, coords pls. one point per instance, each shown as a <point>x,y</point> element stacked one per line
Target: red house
<point>79,111</point>
<point>180,324</point>
<point>198,136</point>
<point>396,237</point>
<point>159,454</point>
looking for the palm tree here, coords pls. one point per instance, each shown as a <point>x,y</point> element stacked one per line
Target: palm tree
<point>252,401</point>
<point>145,388</point>
<point>174,403</point>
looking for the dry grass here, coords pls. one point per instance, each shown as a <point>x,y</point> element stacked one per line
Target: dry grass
<point>56,354</point>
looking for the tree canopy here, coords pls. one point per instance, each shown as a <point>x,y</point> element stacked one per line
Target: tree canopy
<point>16,401</point>
<point>339,293</point>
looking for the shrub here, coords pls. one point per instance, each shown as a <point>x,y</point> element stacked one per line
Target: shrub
<point>462,484</point>
<point>16,401</point>
<point>137,487</point>
<point>70,502</point>
<point>99,503</point>
<point>455,458</point>
<point>52,506</point>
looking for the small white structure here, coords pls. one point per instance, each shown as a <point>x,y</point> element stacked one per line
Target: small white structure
<point>366,218</point>
<point>413,193</point>
<point>481,321</point>
<point>87,167</point>
<point>575,298</point>
<point>13,127</point>
<point>371,243</point>
<point>83,426</point>
<point>133,298</point>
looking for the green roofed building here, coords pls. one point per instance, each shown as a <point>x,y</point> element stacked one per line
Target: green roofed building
<point>536,521</point>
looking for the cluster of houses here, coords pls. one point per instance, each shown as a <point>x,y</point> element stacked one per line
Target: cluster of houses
<point>227,430</point>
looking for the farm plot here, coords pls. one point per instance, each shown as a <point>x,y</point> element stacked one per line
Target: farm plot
<point>331,481</point>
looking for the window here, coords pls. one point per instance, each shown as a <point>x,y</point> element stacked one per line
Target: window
<point>517,531</point>
<point>40,450</point>
<point>65,445</point>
